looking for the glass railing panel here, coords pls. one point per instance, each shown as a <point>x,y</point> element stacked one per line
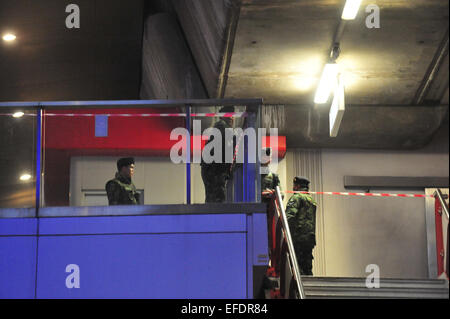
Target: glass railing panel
<point>17,158</point>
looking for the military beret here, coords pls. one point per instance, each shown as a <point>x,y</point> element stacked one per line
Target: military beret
<point>301,180</point>
<point>124,162</point>
<point>226,109</point>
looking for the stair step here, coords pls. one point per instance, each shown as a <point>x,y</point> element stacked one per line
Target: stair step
<point>355,288</point>
<point>379,292</point>
<point>384,283</point>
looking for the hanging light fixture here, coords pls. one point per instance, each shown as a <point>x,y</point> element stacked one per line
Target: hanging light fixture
<point>351,9</point>
<point>337,107</point>
<point>327,83</point>
<point>328,80</point>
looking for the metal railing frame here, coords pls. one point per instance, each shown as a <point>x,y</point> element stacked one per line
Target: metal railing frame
<point>438,194</point>
<point>444,207</point>
<point>290,244</point>
<point>252,105</point>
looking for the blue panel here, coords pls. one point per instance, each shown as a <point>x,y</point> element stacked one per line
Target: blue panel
<point>250,256</point>
<point>17,267</point>
<point>17,226</point>
<point>101,125</point>
<point>144,266</point>
<point>143,224</point>
<point>260,240</point>
<point>238,185</point>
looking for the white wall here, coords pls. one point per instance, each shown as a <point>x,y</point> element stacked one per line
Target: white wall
<point>389,232</point>
<point>197,187</point>
<point>162,181</point>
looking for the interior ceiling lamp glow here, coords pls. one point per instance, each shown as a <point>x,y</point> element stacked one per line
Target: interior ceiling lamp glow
<point>18,114</point>
<point>9,37</point>
<point>25,177</point>
<point>337,107</point>
<point>327,83</point>
<point>351,9</point>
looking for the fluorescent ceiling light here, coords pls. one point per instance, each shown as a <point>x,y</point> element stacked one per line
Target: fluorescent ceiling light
<point>327,83</point>
<point>351,9</point>
<point>18,114</point>
<point>25,177</point>
<point>337,107</point>
<point>9,37</point>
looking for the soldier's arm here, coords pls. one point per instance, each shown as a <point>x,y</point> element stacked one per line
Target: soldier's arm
<point>278,183</point>
<point>291,212</point>
<point>314,218</point>
<point>222,127</point>
<point>137,196</point>
<point>113,193</point>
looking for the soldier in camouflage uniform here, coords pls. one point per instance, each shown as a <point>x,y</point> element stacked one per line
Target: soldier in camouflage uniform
<point>121,190</point>
<point>269,180</point>
<point>301,215</point>
<point>215,175</point>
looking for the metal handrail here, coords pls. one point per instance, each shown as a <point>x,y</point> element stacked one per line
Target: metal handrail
<point>444,206</point>
<point>290,244</point>
<point>252,105</point>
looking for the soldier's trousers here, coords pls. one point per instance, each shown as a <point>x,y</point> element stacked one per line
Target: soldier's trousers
<point>304,244</point>
<point>304,260</point>
<point>215,181</point>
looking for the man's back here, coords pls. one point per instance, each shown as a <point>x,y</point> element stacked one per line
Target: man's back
<point>221,125</point>
<point>301,214</point>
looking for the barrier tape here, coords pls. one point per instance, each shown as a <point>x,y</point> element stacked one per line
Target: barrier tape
<point>355,194</point>
<point>228,114</point>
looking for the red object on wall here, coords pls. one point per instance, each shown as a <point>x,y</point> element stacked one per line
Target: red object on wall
<point>150,135</point>
<point>139,135</point>
<point>281,145</point>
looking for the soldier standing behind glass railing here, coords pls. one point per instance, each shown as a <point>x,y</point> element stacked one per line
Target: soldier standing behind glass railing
<point>121,190</point>
<point>215,175</point>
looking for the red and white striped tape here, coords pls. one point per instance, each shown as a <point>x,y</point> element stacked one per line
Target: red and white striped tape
<point>228,114</point>
<point>356,194</point>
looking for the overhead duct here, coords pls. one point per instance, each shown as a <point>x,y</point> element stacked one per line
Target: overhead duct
<point>209,27</point>
<point>168,70</point>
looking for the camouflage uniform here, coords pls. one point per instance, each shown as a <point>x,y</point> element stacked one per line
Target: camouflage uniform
<point>215,175</point>
<point>301,215</point>
<point>269,181</point>
<point>121,191</point>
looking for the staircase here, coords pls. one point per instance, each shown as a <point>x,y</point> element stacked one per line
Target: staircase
<point>355,288</point>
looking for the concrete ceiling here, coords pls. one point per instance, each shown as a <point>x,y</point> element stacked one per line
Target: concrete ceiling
<point>281,47</point>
